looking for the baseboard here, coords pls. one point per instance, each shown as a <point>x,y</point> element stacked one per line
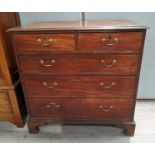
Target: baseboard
<point>142,99</point>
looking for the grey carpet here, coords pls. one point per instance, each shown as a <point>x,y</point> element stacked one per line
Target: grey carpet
<point>145,131</point>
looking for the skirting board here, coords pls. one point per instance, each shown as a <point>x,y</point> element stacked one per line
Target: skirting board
<point>146,99</point>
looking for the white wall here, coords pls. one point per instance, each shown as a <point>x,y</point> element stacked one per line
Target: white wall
<point>29,17</point>
<point>147,79</point>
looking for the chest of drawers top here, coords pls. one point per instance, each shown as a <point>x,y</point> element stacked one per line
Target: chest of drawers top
<point>79,25</point>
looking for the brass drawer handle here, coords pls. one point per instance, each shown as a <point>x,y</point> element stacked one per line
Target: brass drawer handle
<point>53,85</point>
<point>107,86</point>
<point>50,105</point>
<point>106,108</point>
<point>108,65</point>
<point>52,62</point>
<point>110,41</point>
<point>45,42</point>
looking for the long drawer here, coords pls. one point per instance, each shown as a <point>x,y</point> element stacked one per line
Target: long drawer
<point>81,86</point>
<point>44,42</point>
<point>84,64</point>
<point>81,108</point>
<point>111,41</point>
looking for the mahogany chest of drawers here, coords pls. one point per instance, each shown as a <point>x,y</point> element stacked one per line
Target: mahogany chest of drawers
<point>80,72</point>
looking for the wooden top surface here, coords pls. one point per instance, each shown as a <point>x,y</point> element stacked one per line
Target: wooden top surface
<point>79,25</point>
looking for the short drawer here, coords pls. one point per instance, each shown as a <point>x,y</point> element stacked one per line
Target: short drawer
<point>81,86</point>
<point>111,42</point>
<point>81,108</point>
<point>44,42</point>
<point>5,105</point>
<point>81,64</point>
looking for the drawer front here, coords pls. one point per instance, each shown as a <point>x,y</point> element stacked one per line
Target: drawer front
<point>44,42</point>
<point>83,64</point>
<point>5,107</point>
<point>81,86</point>
<point>114,42</point>
<point>81,108</point>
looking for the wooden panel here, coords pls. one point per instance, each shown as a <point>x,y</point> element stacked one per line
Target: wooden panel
<point>87,64</point>
<point>10,109</point>
<point>82,108</point>
<point>83,86</point>
<point>114,42</point>
<point>7,58</point>
<point>46,42</point>
<point>4,66</point>
<point>9,19</point>
<point>1,75</point>
<point>4,103</point>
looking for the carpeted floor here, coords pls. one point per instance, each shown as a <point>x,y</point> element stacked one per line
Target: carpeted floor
<point>145,131</point>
